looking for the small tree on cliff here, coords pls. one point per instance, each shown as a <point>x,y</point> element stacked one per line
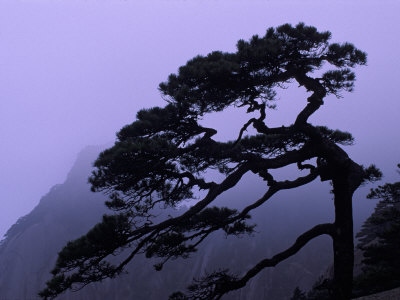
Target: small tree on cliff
<point>379,239</point>
<point>163,157</point>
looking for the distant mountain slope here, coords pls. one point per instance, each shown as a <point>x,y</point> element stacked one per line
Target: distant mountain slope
<point>30,248</point>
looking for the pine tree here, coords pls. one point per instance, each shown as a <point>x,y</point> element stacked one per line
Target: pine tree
<point>164,156</point>
<point>380,242</point>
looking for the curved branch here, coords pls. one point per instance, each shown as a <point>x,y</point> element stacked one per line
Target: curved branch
<point>243,129</point>
<point>300,242</point>
<point>310,108</point>
<point>277,186</point>
<point>314,101</point>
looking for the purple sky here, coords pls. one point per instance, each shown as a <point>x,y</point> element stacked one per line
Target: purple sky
<point>73,72</point>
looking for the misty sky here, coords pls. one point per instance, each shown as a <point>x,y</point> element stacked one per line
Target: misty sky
<point>72,73</point>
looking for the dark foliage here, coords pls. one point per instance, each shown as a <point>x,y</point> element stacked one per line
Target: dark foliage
<point>162,159</point>
<point>321,290</point>
<point>379,239</point>
<point>298,294</point>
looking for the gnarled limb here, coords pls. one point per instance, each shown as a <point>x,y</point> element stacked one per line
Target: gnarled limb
<point>214,287</point>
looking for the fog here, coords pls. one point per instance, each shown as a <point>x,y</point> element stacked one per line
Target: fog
<point>72,73</point>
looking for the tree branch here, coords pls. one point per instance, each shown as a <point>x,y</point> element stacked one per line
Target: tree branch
<point>314,101</point>
<point>243,129</point>
<point>277,186</point>
<point>224,283</point>
<point>300,242</point>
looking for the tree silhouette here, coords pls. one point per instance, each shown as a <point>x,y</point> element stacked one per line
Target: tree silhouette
<point>379,239</point>
<point>163,158</point>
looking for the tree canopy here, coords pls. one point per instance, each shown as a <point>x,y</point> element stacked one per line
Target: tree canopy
<point>162,159</point>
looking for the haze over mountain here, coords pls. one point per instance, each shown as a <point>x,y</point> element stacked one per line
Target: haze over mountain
<point>68,210</point>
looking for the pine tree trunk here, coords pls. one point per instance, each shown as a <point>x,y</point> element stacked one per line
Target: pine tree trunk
<point>345,182</point>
